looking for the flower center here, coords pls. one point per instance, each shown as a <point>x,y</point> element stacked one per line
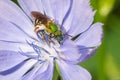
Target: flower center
<point>45,52</point>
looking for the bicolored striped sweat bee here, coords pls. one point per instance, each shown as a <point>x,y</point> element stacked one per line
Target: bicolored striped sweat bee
<point>44,25</point>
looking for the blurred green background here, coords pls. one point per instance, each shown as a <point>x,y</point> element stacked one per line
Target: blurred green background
<point>105,64</point>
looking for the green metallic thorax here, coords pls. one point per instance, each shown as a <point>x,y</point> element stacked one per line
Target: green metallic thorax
<point>55,31</point>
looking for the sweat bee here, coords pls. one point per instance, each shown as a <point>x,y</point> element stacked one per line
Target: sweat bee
<point>44,25</point>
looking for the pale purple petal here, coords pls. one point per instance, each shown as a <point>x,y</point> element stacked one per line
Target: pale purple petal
<point>43,71</point>
<point>57,9</point>
<point>92,37</point>
<point>73,72</point>
<point>19,72</point>
<point>89,41</point>
<point>42,67</point>
<point>9,59</point>
<point>12,38</point>
<point>11,32</point>
<point>47,75</point>
<point>31,5</point>
<point>86,52</point>
<point>12,13</point>
<point>69,51</point>
<point>15,46</point>
<point>80,17</point>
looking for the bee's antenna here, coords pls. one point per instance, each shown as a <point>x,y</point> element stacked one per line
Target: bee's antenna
<point>68,35</point>
<point>45,13</point>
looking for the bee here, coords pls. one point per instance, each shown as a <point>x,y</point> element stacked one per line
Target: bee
<point>44,25</point>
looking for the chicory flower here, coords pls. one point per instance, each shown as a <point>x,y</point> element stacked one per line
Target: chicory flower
<point>25,55</point>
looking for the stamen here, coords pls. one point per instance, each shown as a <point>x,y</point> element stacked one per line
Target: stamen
<point>44,52</point>
<point>42,61</point>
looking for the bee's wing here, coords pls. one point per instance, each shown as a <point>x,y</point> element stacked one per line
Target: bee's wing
<point>36,14</point>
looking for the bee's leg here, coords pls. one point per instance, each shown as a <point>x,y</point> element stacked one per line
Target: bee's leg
<point>40,35</point>
<point>50,36</point>
<point>43,36</point>
<point>58,41</point>
<point>47,39</point>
